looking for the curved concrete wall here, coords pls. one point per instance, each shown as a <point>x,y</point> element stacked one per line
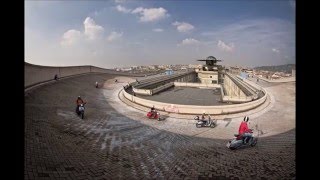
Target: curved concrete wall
<point>232,88</point>
<point>191,109</point>
<point>161,88</point>
<point>282,80</point>
<point>147,92</point>
<point>196,85</point>
<point>150,92</point>
<point>35,74</point>
<point>69,71</point>
<point>169,80</point>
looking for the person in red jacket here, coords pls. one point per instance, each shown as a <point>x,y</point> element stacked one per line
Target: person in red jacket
<point>244,131</point>
<point>79,101</point>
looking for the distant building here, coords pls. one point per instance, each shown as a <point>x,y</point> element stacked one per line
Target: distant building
<point>293,72</point>
<point>194,65</point>
<point>275,76</point>
<point>208,74</point>
<point>248,71</point>
<point>126,69</point>
<point>234,70</point>
<point>244,75</point>
<point>169,72</point>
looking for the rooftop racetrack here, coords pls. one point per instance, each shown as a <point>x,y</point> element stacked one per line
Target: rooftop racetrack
<point>115,141</point>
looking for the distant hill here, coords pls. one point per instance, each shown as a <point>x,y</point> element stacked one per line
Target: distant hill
<point>286,68</point>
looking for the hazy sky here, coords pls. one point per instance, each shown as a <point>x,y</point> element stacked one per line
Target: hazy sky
<point>125,32</point>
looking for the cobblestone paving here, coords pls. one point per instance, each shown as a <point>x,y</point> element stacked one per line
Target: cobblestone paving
<point>107,144</point>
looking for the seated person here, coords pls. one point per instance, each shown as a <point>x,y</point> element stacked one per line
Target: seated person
<point>203,118</point>
<point>56,77</point>
<point>244,131</point>
<point>153,111</point>
<point>79,101</point>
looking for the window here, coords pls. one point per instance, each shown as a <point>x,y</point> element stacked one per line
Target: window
<point>214,82</point>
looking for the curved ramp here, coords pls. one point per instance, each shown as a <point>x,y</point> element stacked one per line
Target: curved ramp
<point>115,141</point>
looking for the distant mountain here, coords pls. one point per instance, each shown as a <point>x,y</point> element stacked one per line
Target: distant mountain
<point>286,68</point>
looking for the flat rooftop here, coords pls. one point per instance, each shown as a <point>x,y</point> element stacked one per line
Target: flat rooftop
<point>188,96</point>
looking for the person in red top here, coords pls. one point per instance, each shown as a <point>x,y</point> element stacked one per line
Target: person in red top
<point>79,102</point>
<point>244,131</point>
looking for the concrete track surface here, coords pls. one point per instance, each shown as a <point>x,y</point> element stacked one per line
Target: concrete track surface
<point>116,141</point>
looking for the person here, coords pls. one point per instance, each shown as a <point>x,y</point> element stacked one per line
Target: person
<point>116,80</point>
<point>209,118</point>
<point>79,101</point>
<point>203,118</point>
<point>244,130</point>
<point>56,77</point>
<point>153,111</point>
<point>97,84</point>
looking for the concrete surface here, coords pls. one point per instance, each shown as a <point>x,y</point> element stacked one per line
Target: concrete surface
<point>115,141</point>
<point>188,96</point>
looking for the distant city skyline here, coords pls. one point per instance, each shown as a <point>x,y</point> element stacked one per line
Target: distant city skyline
<point>123,33</point>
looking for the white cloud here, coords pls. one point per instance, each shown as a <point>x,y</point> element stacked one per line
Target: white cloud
<point>275,50</point>
<point>114,36</point>
<point>151,14</point>
<point>120,1</point>
<point>123,9</point>
<point>70,37</point>
<point>189,41</point>
<point>224,47</point>
<point>137,10</point>
<point>91,29</point>
<point>157,30</point>
<point>183,26</point>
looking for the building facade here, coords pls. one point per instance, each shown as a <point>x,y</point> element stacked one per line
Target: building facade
<point>208,73</point>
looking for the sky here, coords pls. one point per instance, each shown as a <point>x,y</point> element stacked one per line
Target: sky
<point>123,33</point>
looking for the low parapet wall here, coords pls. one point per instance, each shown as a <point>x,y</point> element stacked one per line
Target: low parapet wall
<point>191,109</point>
<point>161,88</point>
<point>35,74</point>
<point>147,92</point>
<point>236,99</point>
<point>141,86</point>
<point>225,98</point>
<point>282,80</point>
<point>173,77</point>
<point>197,85</point>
